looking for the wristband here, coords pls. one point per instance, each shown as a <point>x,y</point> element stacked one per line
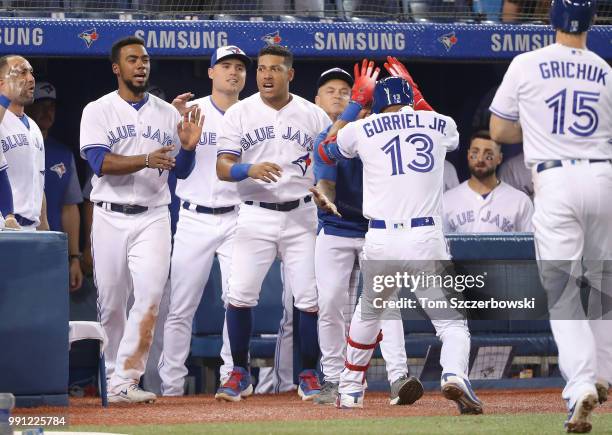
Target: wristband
<point>147,161</point>
<point>240,171</point>
<point>75,256</point>
<point>4,101</point>
<point>351,112</point>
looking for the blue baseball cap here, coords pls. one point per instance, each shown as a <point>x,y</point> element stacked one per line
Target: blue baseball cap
<point>229,51</point>
<point>335,74</point>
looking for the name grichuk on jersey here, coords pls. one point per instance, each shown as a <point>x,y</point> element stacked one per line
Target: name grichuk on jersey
<point>112,123</point>
<point>403,161</point>
<point>202,186</point>
<point>24,151</point>
<point>259,133</point>
<point>570,122</point>
<point>504,209</point>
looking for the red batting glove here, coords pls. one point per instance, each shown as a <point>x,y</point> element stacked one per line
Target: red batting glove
<point>397,69</point>
<point>365,81</point>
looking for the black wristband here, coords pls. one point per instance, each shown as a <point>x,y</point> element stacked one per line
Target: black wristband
<point>75,256</point>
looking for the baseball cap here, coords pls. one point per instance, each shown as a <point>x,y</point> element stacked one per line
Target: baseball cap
<point>44,90</point>
<point>332,74</point>
<point>229,51</point>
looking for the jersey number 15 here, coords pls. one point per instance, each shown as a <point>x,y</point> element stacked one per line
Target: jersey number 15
<point>582,108</point>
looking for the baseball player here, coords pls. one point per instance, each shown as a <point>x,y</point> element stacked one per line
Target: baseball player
<point>340,240</point>
<point>207,220</point>
<point>62,188</point>
<point>269,156</point>
<point>130,139</point>
<point>557,101</point>
<point>402,226</point>
<point>22,146</point>
<point>484,203</point>
<point>514,172</point>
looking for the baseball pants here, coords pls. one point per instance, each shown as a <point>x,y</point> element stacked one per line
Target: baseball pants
<point>131,253</point>
<point>403,244</point>
<point>198,237</point>
<point>573,222</point>
<point>336,261</point>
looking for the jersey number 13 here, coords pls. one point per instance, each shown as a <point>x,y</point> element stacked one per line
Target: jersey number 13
<point>424,161</point>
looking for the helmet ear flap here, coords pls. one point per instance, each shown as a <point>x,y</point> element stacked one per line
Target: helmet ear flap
<point>572,16</point>
<point>392,91</point>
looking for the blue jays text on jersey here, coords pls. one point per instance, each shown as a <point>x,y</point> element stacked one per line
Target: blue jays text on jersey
<point>17,140</point>
<point>208,138</point>
<point>125,131</point>
<point>503,223</point>
<point>261,134</point>
<point>401,121</point>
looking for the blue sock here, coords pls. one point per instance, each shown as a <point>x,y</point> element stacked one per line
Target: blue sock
<point>239,327</point>
<point>309,340</point>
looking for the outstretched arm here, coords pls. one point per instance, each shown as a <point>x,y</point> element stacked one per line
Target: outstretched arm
<point>397,69</point>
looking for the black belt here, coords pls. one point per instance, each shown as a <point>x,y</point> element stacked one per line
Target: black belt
<point>280,206</point>
<point>558,163</point>
<point>414,222</point>
<point>124,208</point>
<point>24,222</point>
<point>209,210</point>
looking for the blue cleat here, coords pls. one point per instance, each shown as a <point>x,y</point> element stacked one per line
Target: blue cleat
<point>236,387</point>
<point>459,390</point>
<point>309,387</point>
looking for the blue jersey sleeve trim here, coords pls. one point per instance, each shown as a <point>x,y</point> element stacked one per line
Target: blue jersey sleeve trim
<point>185,162</point>
<point>94,145</point>
<point>503,115</point>
<point>95,158</point>
<point>233,152</point>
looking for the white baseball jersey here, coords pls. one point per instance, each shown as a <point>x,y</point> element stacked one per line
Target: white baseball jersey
<point>450,176</point>
<point>514,172</point>
<point>504,209</point>
<point>24,151</point>
<point>203,187</point>
<point>562,95</point>
<point>258,133</point>
<point>112,123</point>
<point>3,163</point>
<point>409,154</point>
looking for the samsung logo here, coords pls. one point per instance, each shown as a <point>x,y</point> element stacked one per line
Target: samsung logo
<point>182,39</point>
<point>520,42</point>
<point>361,41</point>
<point>21,36</point>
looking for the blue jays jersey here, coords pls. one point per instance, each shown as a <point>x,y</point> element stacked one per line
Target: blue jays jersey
<point>348,175</point>
<point>61,181</point>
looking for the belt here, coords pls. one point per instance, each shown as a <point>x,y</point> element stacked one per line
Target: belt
<point>414,222</point>
<point>209,210</point>
<point>24,222</point>
<point>558,163</point>
<point>123,208</point>
<point>280,206</point>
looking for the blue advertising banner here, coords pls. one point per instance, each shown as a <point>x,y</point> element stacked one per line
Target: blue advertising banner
<point>445,41</point>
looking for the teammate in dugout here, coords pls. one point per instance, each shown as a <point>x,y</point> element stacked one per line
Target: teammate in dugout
<point>557,101</point>
<point>130,139</point>
<point>338,195</point>
<point>265,145</point>
<point>484,203</point>
<point>22,162</point>
<point>402,227</point>
<point>207,223</point>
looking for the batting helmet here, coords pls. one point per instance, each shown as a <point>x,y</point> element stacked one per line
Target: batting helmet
<point>572,16</point>
<point>391,91</point>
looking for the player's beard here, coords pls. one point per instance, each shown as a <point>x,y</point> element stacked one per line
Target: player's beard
<point>483,173</point>
<point>136,89</point>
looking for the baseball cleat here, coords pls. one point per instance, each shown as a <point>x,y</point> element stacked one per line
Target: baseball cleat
<point>328,394</point>
<point>236,387</point>
<point>602,391</point>
<point>349,400</point>
<point>579,417</point>
<point>405,391</point>
<point>132,394</point>
<point>459,390</point>
<point>309,387</point>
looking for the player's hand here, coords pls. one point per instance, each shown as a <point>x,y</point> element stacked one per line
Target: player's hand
<point>161,158</point>
<point>180,103</point>
<point>190,128</point>
<point>365,81</point>
<point>11,223</point>
<point>397,69</point>
<point>76,275</point>
<point>323,202</point>
<point>13,82</point>
<point>265,171</point>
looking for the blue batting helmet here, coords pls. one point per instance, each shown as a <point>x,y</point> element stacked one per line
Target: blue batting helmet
<point>391,91</point>
<point>572,16</point>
